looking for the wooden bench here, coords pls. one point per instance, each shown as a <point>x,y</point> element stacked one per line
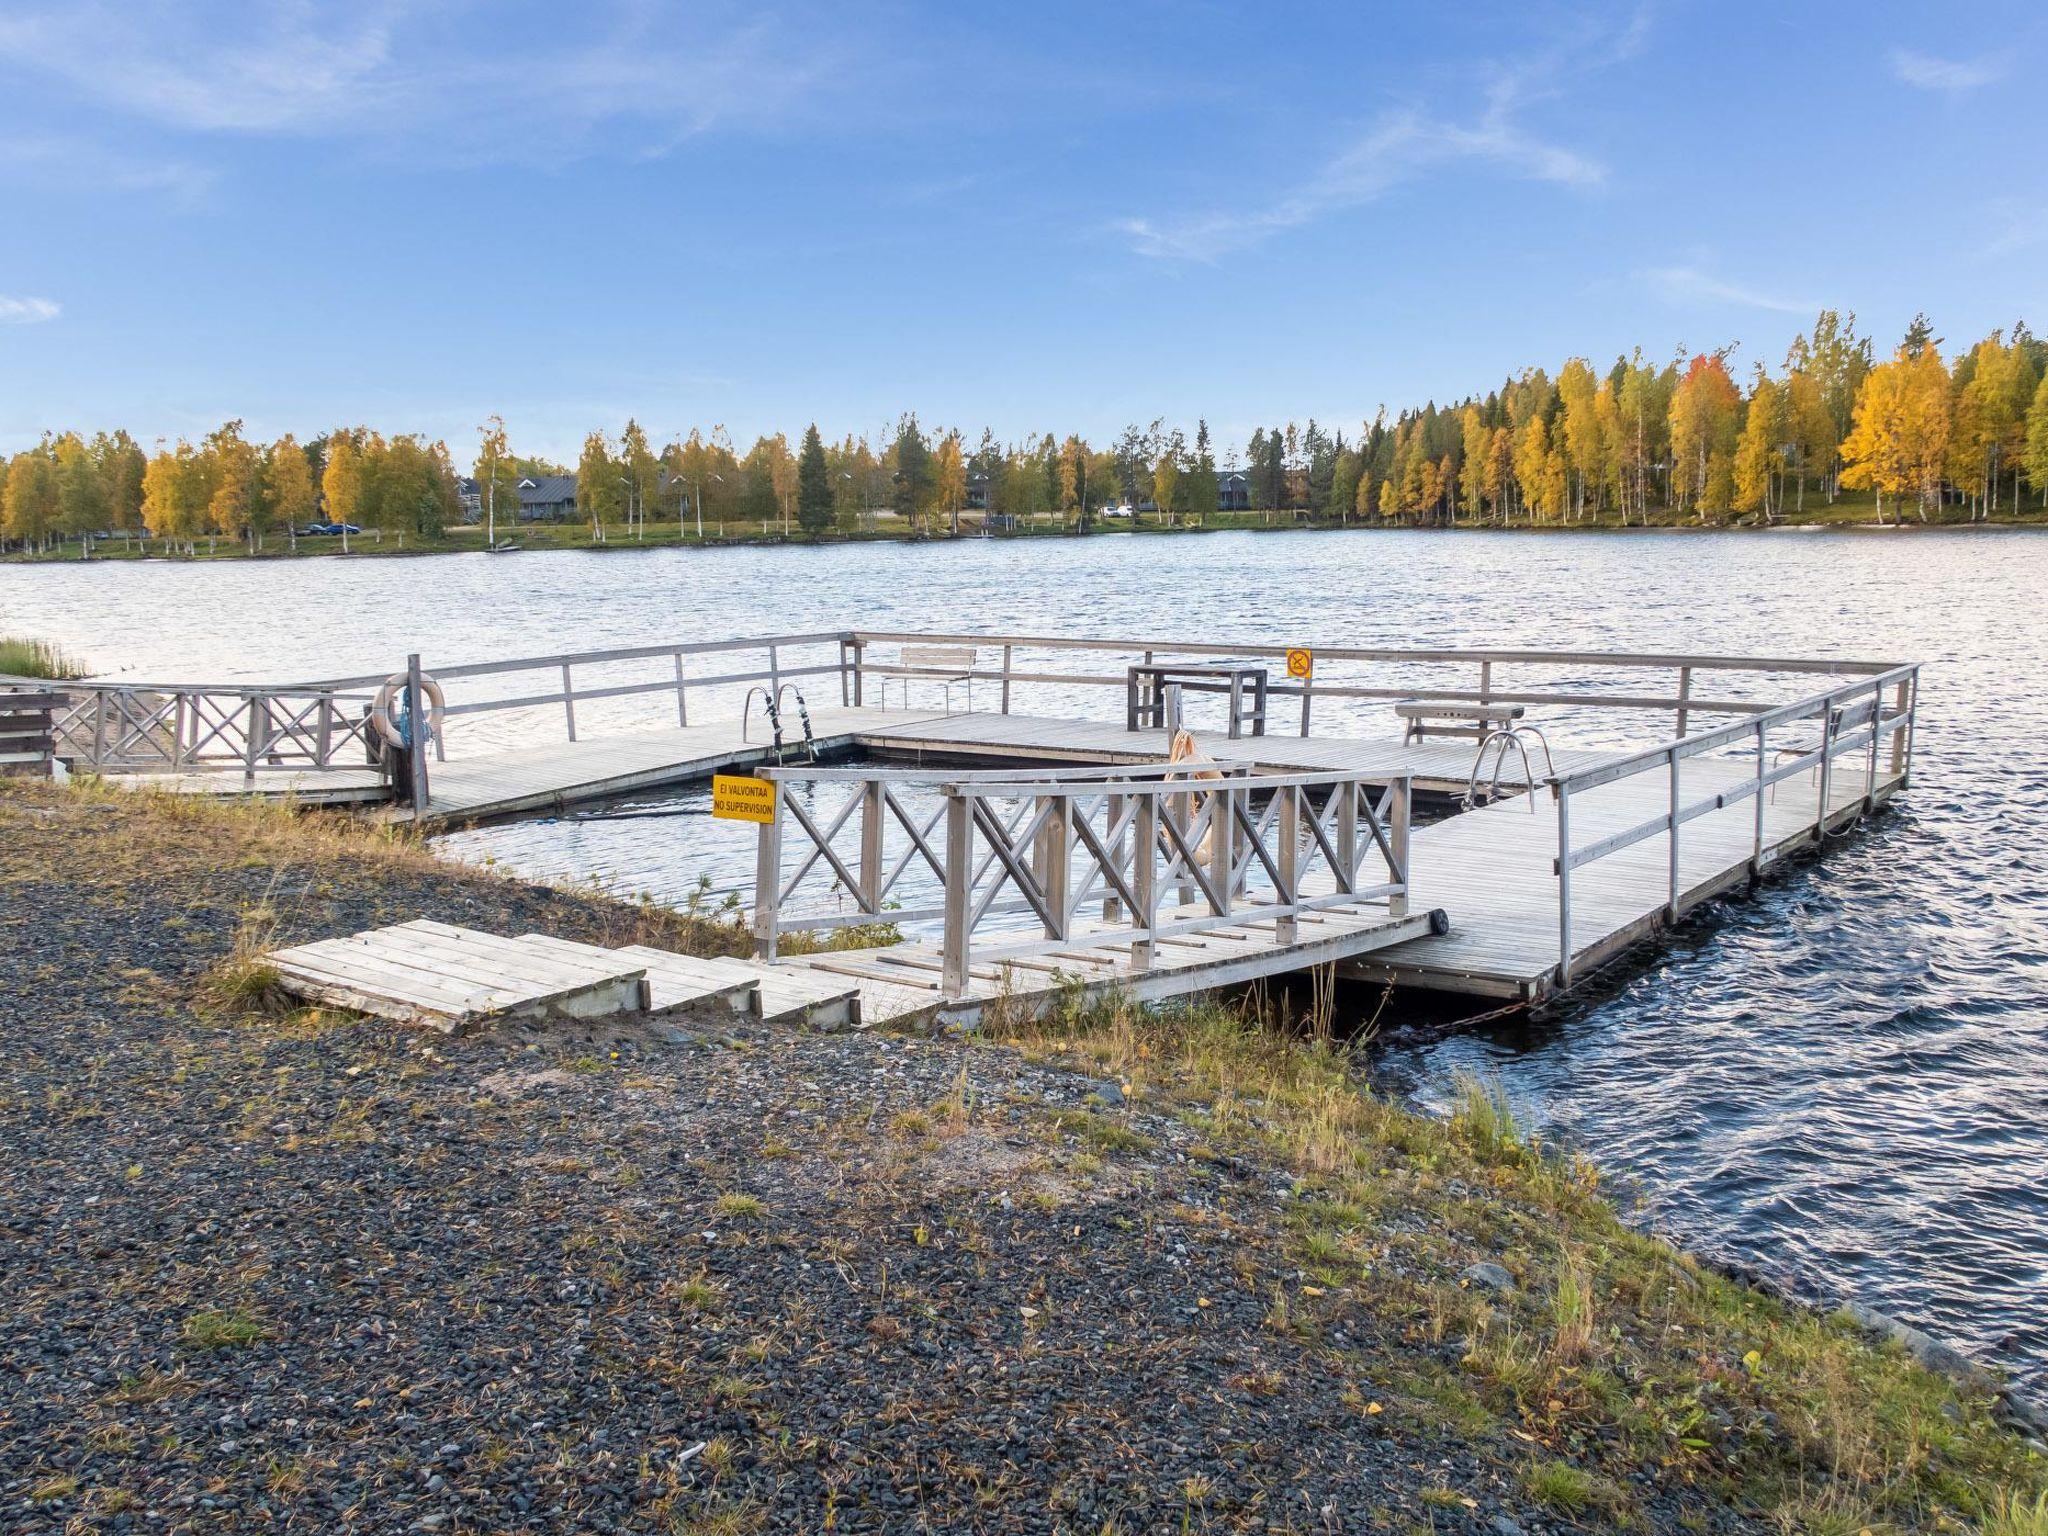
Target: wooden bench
<point>943,664</point>
<point>1455,717</point>
<point>28,737</point>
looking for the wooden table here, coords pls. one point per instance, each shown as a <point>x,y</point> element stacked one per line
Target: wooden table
<point>1244,682</point>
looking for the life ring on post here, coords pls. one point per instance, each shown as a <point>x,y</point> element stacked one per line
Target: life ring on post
<point>394,685</point>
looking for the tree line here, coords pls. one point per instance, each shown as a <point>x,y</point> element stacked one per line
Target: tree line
<point>1683,436</point>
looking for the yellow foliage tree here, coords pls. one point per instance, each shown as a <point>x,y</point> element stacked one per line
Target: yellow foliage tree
<point>1899,432</point>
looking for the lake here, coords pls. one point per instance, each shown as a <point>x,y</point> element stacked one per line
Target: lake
<point>1843,1081</point>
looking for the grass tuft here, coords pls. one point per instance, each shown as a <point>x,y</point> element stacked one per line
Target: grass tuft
<point>22,657</point>
<point>234,1328</point>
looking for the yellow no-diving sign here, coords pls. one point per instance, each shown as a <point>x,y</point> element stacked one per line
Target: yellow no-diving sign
<point>741,797</point>
<point>1301,662</point>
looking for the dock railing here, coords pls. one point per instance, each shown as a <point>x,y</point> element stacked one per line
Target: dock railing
<point>1856,719</point>
<point>1156,852</point>
<point>189,728</point>
<point>706,680</point>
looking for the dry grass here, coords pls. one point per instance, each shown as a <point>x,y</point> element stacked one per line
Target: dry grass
<point>1615,1349</point>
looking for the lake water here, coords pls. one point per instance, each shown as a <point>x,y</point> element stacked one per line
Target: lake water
<point>1844,1081</point>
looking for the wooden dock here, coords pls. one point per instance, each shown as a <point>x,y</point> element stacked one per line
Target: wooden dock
<point>1541,885</point>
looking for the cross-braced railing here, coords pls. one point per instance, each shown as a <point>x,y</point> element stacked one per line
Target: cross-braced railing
<point>133,729</point>
<point>1014,864</point>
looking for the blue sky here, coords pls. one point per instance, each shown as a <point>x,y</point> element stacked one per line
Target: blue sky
<point>1064,216</point>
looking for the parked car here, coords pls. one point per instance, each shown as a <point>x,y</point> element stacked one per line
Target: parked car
<point>313,529</point>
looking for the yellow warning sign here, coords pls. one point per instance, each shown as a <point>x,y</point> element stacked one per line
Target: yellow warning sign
<point>1301,662</point>
<point>741,797</point>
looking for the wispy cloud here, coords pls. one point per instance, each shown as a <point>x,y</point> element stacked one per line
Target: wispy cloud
<point>26,310</point>
<point>1406,143</point>
<point>1925,72</point>
<point>71,163</point>
<point>435,79</point>
<point>1692,284</point>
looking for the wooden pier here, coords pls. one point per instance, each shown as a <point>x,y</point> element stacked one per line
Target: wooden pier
<point>1559,861</point>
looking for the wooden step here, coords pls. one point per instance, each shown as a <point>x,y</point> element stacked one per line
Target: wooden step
<point>452,978</point>
<point>673,981</point>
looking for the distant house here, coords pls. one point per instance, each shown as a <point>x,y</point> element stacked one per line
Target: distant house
<point>471,498</point>
<point>547,498</point>
<point>977,490</point>
<point>1233,492</point>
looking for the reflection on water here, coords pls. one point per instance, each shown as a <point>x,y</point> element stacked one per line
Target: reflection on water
<point>1845,1079</point>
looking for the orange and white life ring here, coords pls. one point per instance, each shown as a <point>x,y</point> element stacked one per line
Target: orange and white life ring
<point>380,711</point>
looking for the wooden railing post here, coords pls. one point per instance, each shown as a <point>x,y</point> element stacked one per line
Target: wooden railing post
<point>1222,846</point>
<point>1288,831</point>
<point>1827,767</point>
<point>956,944</point>
<point>1671,819</point>
<point>569,700</point>
<point>860,650</point>
<point>417,727</point>
<point>768,882</point>
<point>323,740</point>
<point>1902,703</point>
<point>1051,855</point>
<point>682,692</point>
<point>1347,834</point>
<point>1006,679</point>
<point>872,809</point>
<point>1115,841</point>
<point>1564,885</point>
<point>99,730</point>
<point>1397,840</point>
<point>182,711</point>
<point>1145,876</point>
<point>1756,847</point>
<point>252,737</point>
<point>1684,698</point>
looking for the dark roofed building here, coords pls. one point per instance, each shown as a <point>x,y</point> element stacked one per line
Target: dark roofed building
<point>547,498</point>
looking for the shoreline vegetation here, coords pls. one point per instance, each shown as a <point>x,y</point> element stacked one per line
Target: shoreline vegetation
<point>1848,513</point>
<point>1114,1270</point>
<point>1683,442</point>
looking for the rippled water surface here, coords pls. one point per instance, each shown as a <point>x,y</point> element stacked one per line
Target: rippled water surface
<point>1844,1079</point>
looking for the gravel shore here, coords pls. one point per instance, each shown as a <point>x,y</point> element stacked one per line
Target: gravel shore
<point>319,1274</point>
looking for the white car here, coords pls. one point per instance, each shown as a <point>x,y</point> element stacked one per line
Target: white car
<point>1123,511</point>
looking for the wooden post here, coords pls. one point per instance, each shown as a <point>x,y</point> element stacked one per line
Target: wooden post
<point>1564,886</point>
<point>774,675</point>
<point>1827,766</point>
<point>178,731</point>
<point>1671,886</point>
<point>1397,839</point>
<point>1222,847</point>
<point>1902,703</point>
<point>1112,813</point>
<point>1236,701</point>
<point>1347,834</point>
<point>959,891</point>
<point>1145,872</point>
<point>1756,846</point>
<point>1288,823</point>
<point>682,693</point>
<point>768,882</point>
<point>1870,771</point>
<point>99,730</point>
<point>1308,688</point>
<point>872,810</point>
<point>252,736</point>
<point>1051,855</point>
<point>1006,679</point>
<point>845,694</point>
<point>323,741</point>
<point>1485,681</point>
<point>569,700</point>
<point>1684,698</point>
<point>416,719</point>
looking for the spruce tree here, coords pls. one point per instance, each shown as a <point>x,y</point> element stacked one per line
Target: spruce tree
<point>813,486</point>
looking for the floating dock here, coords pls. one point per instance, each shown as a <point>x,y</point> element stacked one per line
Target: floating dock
<point>1553,861</point>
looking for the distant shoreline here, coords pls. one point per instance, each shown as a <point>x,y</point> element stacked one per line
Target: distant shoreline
<point>538,538</point>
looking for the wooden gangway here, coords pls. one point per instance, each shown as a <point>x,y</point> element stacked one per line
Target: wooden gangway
<point>1659,792</point>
